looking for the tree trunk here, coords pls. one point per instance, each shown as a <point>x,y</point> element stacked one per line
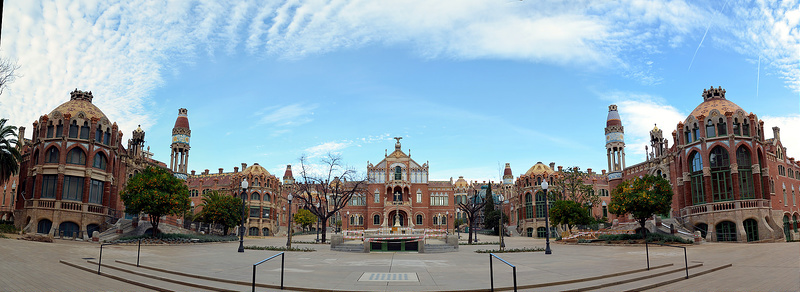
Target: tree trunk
<point>644,231</point>
<point>154,222</point>
<point>471,230</point>
<point>322,230</point>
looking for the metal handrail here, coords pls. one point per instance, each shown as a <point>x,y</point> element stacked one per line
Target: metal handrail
<point>264,260</point>
<point>100,260</point>
<point>685,259</point>
<point>491,271</point>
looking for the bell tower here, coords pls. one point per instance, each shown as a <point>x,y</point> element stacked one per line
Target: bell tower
<point>615,143</point>
<point>179,156</point>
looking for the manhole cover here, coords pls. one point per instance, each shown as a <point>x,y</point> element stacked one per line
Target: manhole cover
<point>389,277</point>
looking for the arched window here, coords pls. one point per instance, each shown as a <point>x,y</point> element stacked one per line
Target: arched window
<point>745,173</point>
<point>73,129</point>
<point>376,219</point>
<point>787,227</point>
<point>59,130</point>
<point>435,220</point>
<point>73,188</point>
<point>267,197</point>
<point>360,220</point>
<point>99,161</point>
<point>688,135</point>
<point>107,138</point>
<point>51,156</point>
<point>419,219</point>
<point>796,223</point>
<point>50,130</point>
<point>255,196</point>
<point>722,127</point>
<point>44,226</point>
<point>540,201</point>
<point>252,231</point>
<point>69,229</point>
<point>264,231</point>
<point>710,129</point>
<point>76,156</point>
<point>745,128</point>
<point>751,229</point>
<point>528,206</point>
<point>721,186</point>
<point>726,231</point>
<point>703,228</point>
<point>398,175</point>
<point>737,127</point>
<point>529,232</point>
<point>541,232</point>
<point>85,131</point>
<point>98,135</point>
<point>698,194</point>
<point>695,132</point>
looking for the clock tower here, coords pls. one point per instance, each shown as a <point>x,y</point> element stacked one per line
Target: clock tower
<point>179,156</point>
<point>615,144</point>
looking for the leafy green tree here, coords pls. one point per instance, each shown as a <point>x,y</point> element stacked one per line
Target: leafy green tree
<point>155,192</point>
<point>9,154</point>
<point>304,217</point>
<point>570,213</point>
<point>488,208</point>
<point>221,209</point>
<point>642,198</point>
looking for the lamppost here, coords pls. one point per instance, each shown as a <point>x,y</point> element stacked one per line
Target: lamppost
<point>289,237</point>
<point>317,205</point>
<point>500,226</point>
<point>241,226</point>
<point>447,223</point>
<point>546,218</point>
<point>348,220</point>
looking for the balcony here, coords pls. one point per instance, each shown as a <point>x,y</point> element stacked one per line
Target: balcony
<point>68,206</point>
<point>724,206</point>
<point>396,203</point>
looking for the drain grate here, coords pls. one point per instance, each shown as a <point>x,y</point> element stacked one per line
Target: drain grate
<point>389,277</point>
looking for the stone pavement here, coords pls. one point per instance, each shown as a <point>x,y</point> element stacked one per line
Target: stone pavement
<point>34,266</point>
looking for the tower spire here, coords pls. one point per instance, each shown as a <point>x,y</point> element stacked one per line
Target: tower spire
<point>615,142</point>
<point>179,156</point>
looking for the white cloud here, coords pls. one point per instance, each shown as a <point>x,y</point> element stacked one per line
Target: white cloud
<point>640,113</point>
<point>290,115</point>
<point>789,137</point>
<point>120,49</point>
<point>327,147</point>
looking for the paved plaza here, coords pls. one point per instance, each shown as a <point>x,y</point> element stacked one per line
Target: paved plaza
<point>35,266</point>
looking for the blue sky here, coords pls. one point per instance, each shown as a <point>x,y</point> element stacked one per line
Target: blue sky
<point>469,85</point>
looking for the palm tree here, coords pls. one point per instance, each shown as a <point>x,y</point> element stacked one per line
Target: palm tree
<point>9,154</point>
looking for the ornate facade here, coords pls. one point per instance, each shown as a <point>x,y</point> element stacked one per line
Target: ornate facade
<point>72,171</point>
<point>730,182</point>
<point>399,194</point>
<point>263,198</point>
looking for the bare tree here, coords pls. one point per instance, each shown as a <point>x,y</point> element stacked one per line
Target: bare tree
<point>573,186</point>
<point>472,208</point>
<point>327,190</point>
<point>8,74</point>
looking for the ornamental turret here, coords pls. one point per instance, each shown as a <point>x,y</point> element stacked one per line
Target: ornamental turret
<point>615,143</point>
<point>179,156</point>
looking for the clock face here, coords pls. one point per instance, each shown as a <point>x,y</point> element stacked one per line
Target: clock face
<point>614,137</point>
<point>180,139</point>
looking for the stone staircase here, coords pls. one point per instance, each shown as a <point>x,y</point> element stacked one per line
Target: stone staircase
<point>349,247</point>
<point>439,248</point>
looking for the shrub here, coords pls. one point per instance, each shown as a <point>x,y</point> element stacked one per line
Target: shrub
<point>36,237</point>
<point>651,237</point>
<point>176,238</point>
<point>279,248</point>
<point>524,249</point>
<point>479,243</point>
<point>8,228</point>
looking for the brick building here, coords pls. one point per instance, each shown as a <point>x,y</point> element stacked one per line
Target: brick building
<point>730,182</point>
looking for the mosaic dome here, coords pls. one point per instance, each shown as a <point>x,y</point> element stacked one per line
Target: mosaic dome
<point>80,102</point>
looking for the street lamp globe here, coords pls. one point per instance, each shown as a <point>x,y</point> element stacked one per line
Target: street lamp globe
<point>546,219</point>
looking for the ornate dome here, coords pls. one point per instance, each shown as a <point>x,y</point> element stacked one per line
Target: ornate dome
<point>256,170</point>
<point>539,168</point>
<point>461,183</point>
<point>80,102</point>
<point>714,99</point>
<point>613,118</point>
<point>183,119</point>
